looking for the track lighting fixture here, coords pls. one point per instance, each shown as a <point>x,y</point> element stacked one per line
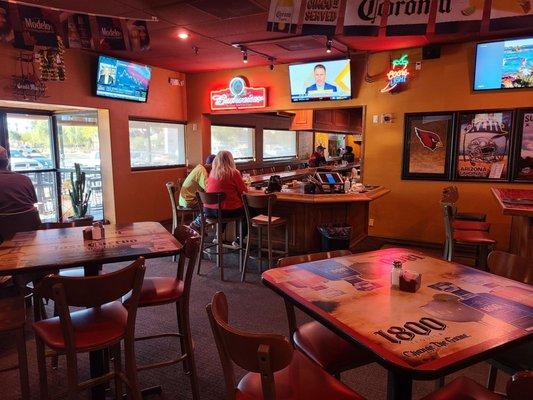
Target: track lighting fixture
<point>195,49</point>
<point>244,52</point>
<point>271,60</point>
<point>329,45</point>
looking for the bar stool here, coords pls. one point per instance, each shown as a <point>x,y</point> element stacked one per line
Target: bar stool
<point>256,204</point>
<point>178,212</point>
<point>12,319</point>
<point>217,198</point>
<point>450,195</point>
<point>104,324</point>
<point>157,291</point>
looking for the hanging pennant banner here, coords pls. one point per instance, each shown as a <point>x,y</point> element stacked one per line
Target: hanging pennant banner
<point>459,16</point>
<point>511,14</point>
<point>78,32</point>
<point>363,17</point>
<point>35,29</point>
<point>320,17</point>
<point>410,17</point>
<point>110,35</point>
<point>6,29</point>
<point>139,38</point>
<point>283,15</point>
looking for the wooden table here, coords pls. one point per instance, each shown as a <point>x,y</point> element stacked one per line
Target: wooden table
<point>52,249</point>
<point>458,317</point>
<point>518,203</point>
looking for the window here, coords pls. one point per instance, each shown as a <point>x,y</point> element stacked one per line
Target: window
<point>238,140</point>
<point>278,144</point>
<point>156,144</point>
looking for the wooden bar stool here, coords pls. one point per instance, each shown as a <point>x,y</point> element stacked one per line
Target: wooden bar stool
<point>217,198</point>
<point>178,212</point>
<point>262,203</point>
<point>104,324</point>
<point>276,370</point>
<point>158,291</point>
<point>319,343</point>
<point>12,319</point>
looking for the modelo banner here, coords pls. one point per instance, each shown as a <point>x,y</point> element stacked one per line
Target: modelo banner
<point>34,28</point>
<point>320,16</point>
<point>109,34</point>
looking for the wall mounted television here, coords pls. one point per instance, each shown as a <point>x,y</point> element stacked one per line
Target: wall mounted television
<point>321,80</point>
<point>504,64</point>
<point>120,79</point>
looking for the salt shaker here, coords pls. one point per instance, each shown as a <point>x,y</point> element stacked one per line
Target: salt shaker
<point>395,274</point>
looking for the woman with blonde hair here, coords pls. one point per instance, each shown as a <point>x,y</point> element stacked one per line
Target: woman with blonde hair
<point>224,177</point>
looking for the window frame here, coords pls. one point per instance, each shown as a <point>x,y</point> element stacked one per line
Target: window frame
<point>240,160</point>
<point>162,121</point>
<point>282,158</point>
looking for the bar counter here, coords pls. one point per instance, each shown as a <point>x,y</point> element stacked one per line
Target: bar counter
<point>304,212</point>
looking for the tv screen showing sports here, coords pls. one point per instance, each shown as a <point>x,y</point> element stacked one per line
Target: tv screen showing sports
<point>121,79</point>
<point>323,80</point>
<point>506,64</point>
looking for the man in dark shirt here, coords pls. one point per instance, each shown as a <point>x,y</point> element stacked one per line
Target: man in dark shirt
<point>317,158</point>
<point>17,193</point>
<point>348,156</point>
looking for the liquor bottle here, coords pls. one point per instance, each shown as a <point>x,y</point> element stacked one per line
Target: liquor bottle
<point>347,185</point>
<point>395,274</point>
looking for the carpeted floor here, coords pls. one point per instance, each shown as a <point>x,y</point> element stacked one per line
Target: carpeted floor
<point>252,307</point>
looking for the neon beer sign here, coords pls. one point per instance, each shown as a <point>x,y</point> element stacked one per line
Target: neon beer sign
<point>398,74</point>
<point>237,96</point>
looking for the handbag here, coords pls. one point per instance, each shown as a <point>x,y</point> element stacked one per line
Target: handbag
<point>274,184</point>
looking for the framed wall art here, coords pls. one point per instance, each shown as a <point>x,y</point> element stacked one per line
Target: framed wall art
<point>428,145</point>
<point>483,145</point>
<point>523,165</point>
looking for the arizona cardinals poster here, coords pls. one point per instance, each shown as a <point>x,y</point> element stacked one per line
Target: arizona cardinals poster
<point>483,145</point>
<point>524,163</point>
<point>426,145</point>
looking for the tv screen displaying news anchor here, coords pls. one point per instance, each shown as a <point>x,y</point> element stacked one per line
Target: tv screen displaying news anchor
<point>322,80</point>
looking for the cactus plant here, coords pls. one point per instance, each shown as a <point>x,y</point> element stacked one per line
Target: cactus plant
<point>78,197</point>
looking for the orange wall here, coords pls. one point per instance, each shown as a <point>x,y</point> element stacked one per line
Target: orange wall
<point>411,210</point>
<point>138,195</point>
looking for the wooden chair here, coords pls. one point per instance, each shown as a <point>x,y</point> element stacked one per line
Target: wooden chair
<point>276,370</point>
<point>178,212</point>
<point>520,357</point>
<point>103,325</point>
<point>519,387</point>
<point>12,319</point>
<point>157,291</point>
<point>217,198</point>
<point>257,204</point>
<point>321,344</point>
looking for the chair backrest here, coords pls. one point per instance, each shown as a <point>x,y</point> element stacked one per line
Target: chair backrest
<point>511,266</point>
<point>255,352</point>
<point>258,202</point>
<point>71,224</point>
<point>20,222</point>
<point>286,261</point>
<point>188,256</point>
<point>450,195</point>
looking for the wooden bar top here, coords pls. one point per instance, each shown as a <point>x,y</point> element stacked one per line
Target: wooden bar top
<point>515,201</point>
<point>295,195</point>
<point>298,173</point>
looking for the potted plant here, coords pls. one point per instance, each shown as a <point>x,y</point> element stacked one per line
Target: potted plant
<point>78,197</point>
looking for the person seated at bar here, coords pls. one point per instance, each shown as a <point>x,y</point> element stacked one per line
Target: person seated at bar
<point>317,158</point>
<point>225,177</point>
<point>348,155</point>
<point>17,201</point>
<point>194,182</point>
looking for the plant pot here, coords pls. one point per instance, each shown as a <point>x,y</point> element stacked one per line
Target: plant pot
<point>86,218</point>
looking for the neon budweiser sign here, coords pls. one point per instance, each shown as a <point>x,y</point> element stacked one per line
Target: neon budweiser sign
<point>238,96</point>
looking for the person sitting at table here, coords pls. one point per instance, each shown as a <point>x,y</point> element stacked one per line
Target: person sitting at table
<point>193,183</point>
<point>17,201</point>
<point>317,158</point>
<point>348,155</point>
<point>225,177</point>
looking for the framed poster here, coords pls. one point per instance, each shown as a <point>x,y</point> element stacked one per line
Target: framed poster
<point>483,144</point>
<point>427,145</point>
<point>523,166</point>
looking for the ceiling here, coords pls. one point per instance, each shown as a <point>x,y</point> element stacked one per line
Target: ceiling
<point>215,25</point>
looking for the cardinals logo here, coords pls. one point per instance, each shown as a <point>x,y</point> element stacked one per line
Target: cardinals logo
<point>430,140</point>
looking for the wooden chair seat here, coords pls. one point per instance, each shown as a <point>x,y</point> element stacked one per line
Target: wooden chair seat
<point>160,290</point>
<point>463,388</point>
<point>262,220</point>
<point>473,237</point>
<point>470,225</point>
<point>329,350</point>
<point>300,380</point>
<point>94,327</point>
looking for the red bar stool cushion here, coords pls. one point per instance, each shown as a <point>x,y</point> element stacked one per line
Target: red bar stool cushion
<point>473,237</point>
<point>329,350</point>
<point>470,225</point>
<point>302,379</point>
<point>93,327</point>
<point>159,290</point>
<point>463,388</point>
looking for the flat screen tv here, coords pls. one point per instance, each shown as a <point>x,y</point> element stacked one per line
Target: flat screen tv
<point>121,79</point>
<point>321,80</point>
<point>506,64</point>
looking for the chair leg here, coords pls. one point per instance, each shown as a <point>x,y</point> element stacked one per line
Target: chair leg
<point>131,369</point>
<point>450,251</point>
<point>246,255</point>
<point>189,348</point>
<point>202,239</point>
<point>41,364</point>
<point>117,366</point>
<point>181,329</point>
<point>440,382</point>
<point>259,248</point>
<point>220,250</point>
<point>23,365</point>
<point>491,379</point>
<point>240,244</point>
<point>269,247</point>
<point>481,261</point>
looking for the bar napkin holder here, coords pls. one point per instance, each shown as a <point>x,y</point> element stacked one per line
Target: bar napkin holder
<point>96,232</point>
<point>410,281</point>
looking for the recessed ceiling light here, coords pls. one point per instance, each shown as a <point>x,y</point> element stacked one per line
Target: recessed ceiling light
<point>183,35</point>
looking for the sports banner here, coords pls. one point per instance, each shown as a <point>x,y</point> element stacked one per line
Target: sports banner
<point>320,16</point>
<point>78,32</point>
<point>363,17</point>
<point>511,14</point>
<point>283,15</point>
<point>459,16</point>
<point>34,29</point>
<point>109,34</point>
<point>410,17</point>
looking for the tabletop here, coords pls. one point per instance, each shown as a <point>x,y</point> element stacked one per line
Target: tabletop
<point>64,248</point>
<point>458,316</point>
<point>515,201</point>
